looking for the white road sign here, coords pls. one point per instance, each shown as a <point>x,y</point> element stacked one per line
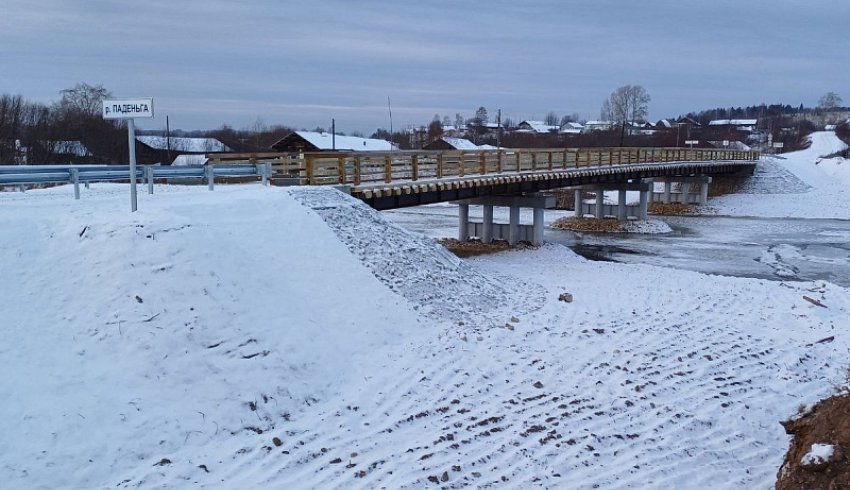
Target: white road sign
<point>128,108</point>
<point>691,142</point>
<point>778,145</point>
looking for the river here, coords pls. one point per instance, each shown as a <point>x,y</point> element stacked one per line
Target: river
<point>766,248</point>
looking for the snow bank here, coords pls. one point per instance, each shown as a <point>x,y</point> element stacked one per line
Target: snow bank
<point>437,282</point>
<point>174,332</point>
<point>797,184</point>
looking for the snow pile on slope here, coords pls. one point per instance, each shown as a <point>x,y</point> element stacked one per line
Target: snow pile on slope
<point>836,167</point>
<point>437,282</point>
<point>177,333</point>
<point>795,185</point>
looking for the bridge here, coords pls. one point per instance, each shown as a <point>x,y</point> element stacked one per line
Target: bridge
<point>504,178</point>
<point>509,178</point>
<point>389,180</point>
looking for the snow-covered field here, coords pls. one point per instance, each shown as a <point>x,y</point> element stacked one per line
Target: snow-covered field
<point>294,338</point>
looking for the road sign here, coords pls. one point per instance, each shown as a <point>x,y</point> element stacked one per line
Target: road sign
<point>128,108</point>
<point>691,142</point>
<point>778,145</point>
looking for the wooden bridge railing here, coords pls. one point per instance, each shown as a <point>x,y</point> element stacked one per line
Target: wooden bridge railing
<point>373,168</point>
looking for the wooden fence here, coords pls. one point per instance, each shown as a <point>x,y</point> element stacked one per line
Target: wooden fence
<point>379,168</point>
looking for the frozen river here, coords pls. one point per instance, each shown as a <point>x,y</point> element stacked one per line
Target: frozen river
<point>768,248</point>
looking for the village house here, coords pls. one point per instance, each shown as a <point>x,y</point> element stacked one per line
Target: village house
<point>537,127</point>
<point>164,149</point>
<point>309,141</point>
<point>448,143</point>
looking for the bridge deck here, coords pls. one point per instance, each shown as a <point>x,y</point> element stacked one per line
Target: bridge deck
<point>408,178</point>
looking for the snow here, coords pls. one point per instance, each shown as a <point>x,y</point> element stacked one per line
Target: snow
<point>539,126</point>
<point>795,185</point>
<point>326,141</point>
<point>295,338</point>
<point>183,160</point>
<point>733,122</point>
<point>465,144</point>
<point>818,454</point>
<point>190,145</point>
<point>76,148</point>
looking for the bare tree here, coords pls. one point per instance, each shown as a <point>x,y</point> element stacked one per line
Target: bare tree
<point>84,98</point>
<point>435,129</point>
<point>458,120</point>
<point>627,103</point>
<point>829,102</point>
<point>481,115</point>
<point>551,118</point>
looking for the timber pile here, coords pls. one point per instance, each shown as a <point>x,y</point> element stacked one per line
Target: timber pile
<point>673,209</point>
<point>473,247</point>
<point>590,225</point>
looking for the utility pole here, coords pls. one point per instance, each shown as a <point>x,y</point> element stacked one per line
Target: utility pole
<point>499,129</point>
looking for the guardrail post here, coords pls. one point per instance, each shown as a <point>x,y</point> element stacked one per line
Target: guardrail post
<point>149,178</point>
<point>388,169</point>
<point>499,161</point>
<point>265,171</point>
<point>340,168</point>
<point>357,170</point>
<point>308,163</point>
<point>75,178</point>
<point>210,176</point>
<point>414,162</point>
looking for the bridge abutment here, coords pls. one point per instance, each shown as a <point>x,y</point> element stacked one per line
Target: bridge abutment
<point>513,231</point>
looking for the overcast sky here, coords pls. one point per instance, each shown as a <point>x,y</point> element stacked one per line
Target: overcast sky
<point>301,63</point>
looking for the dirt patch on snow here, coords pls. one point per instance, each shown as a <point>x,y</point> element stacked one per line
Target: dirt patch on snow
<point>474,247</point>
<point>610,225</point>
<point>673,209</point>
<point>818,454</point>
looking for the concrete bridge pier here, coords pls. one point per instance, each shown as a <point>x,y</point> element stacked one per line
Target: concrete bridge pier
<point>621,210</point>
<point>684,196</point>
<point>513,231</point>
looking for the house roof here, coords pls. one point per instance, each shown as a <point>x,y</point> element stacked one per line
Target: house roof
<point>188,145</point>
<point>465,144</point>
<point>540,126</point>
<point>76,148</point>
<point>183,160</point>
<point>325,141</point>
<point>733,122</point>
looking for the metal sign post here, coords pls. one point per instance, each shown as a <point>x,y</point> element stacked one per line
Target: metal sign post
<point>129,109</point>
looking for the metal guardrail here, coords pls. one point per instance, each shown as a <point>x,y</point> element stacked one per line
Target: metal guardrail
<point>76,174</point>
